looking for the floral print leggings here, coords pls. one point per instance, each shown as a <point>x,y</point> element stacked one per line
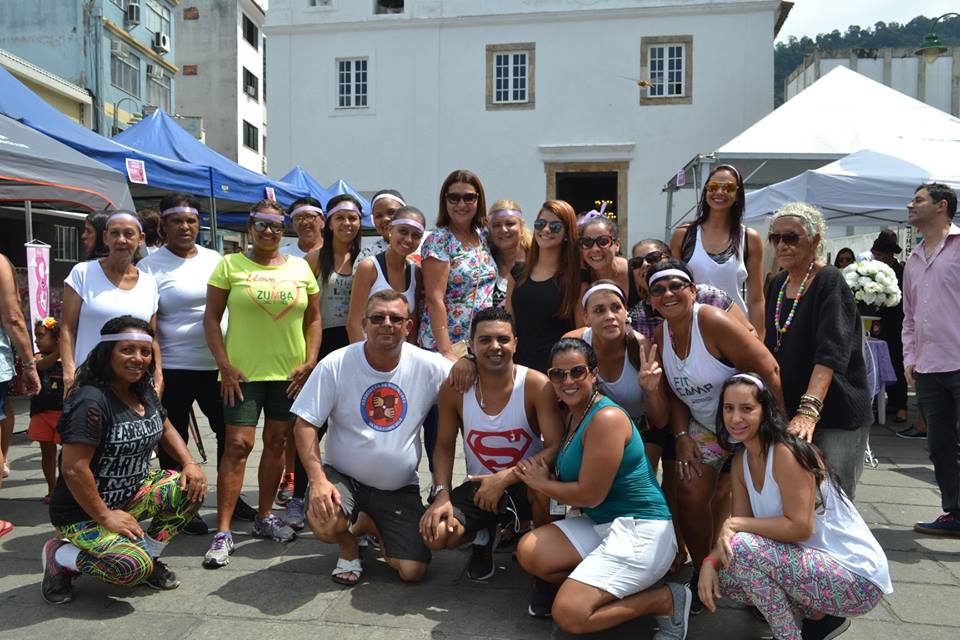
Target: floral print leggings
<point>116,559</point>
<point>788,582</point>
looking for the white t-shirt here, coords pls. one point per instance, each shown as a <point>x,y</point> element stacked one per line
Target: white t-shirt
<point>373,417</point>
<point>102,301</point>
<point>293,250</point>
<point>182,284</point>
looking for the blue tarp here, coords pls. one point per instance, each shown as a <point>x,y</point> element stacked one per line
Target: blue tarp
<point>22,104</point>
<point>159,134</point>
<point>340,187</point>
<point>299,176</point>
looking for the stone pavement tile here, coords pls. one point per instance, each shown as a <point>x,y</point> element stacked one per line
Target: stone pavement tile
<point>222,630</point>
<point>863,629</point>
<point>918,567</point>
<point>870,514</point>
<point>909,476</point>
<point>897,495</point>
<point>880,613</point>
<point>922,604</point>
<point>75,621</point>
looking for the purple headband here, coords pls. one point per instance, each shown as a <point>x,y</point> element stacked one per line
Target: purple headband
<point>173,210</point>
<point>501,213</point>
<point>126,335</point>
<point>751,378</point>
<point>593,213</point>
<point>272,217</point>
<point>306,207</point>
<point>121,215</point>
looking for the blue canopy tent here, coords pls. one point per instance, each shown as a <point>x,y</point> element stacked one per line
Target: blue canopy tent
<point>340,187</point>
<point>299,176</point>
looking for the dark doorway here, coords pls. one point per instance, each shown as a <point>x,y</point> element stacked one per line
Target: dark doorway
<point>589,190</point>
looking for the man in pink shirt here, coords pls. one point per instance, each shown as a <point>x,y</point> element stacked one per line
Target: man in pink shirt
<point>931,340</point>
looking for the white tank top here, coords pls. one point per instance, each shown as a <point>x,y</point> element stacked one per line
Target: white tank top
<point>697,379</point>
<point>625,390</point>
<point>382,283</point>
<point>495,443</point>
<point>728,276</point>
<point>838,529</point>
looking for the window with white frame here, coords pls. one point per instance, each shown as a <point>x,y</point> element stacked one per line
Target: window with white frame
<point>66,247</point>
<point>352,84</point>
<point>510,75</point>
<point>157,17</point>
<point>125,73</point>
<point>666,63</point>
<point>158,91</point>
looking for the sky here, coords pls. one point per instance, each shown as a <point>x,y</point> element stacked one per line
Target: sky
<point>810,17</point>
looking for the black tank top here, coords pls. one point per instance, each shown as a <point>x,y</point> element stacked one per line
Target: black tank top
<point>535,307</point>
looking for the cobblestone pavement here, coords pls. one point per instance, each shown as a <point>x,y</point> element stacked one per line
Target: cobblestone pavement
<point>271,590</point>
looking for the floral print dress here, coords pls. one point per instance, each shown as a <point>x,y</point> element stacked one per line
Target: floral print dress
<point>470,283</point>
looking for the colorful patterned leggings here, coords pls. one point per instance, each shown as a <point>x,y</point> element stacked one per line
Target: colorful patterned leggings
<point>114,558</point>
<point>788,582</point>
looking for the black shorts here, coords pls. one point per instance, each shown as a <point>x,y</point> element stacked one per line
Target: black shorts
<point>662,438</point>
<point>514,506</point>
<point>395,513</point>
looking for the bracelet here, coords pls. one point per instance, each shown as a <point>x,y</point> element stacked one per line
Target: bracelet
<point>711,560</point>
<point>677,436</point>
<point>190,463</point>
<point>811,399</point>
<point>28,364</point>
<point>808,412</point>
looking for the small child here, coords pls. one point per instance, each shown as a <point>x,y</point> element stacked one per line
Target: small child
<point>46,406</point>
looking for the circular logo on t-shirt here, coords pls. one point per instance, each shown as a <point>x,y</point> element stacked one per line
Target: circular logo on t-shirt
<point>384,406</point>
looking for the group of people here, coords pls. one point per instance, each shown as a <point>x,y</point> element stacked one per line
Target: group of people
<point>571,374</point>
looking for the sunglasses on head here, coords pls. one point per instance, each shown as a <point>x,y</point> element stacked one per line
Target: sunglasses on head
<point>555,226</point>
<point>262,225</point>
<point>455,198</point>
<point>651,258</point>
<point>601,241</point>
<point>379,318</point>
<point>579,372</point>
<point>675,286</point>
<point>790,239</point>
<point>726,187</point>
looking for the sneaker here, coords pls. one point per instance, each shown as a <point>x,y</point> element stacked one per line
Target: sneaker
<point>219,552</point>
<point>244,511</point>
<point>825,628</point>
<point>272,527</point>
<point>481,565</point>
<point>293,514</point>
<point>696,605</point>
<point>57,584</point>
<point>674,627</point>
<point>912,433</point>
<point>541,599</point>
<point>946,525</point>
<point>161,578</point>
<point>196,527</point>
<point>285,490</point>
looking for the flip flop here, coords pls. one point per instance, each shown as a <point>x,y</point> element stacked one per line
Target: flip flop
<point>344,568</point>
<point>5,527</point>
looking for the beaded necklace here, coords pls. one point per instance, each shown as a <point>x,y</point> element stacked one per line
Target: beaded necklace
<point>796,303</point>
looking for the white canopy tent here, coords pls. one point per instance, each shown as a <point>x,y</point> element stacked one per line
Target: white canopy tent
<point>870,185</point>
<point>839,114</point>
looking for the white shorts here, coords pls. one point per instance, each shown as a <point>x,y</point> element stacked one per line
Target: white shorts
<point>622,557</point>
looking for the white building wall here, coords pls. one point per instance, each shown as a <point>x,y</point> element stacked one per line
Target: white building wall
<point>249,109</point>
<point>427,113</point>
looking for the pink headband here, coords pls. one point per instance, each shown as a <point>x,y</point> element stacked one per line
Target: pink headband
<point>390,196</point>
<point>120,215</point>
<point>126,335</point>
<point>272,217</point>
<point>343,206</point>
<point>500,213</point>
<point>172,210</point>
<point>306,207</point>
<point>408,222</point>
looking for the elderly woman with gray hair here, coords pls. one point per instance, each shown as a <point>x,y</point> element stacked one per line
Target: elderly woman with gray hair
<point>815,333</point>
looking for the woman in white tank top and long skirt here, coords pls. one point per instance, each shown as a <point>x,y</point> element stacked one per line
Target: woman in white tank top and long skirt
<point>701,346</point>
<point>721,251</point>
<point>795,546</point>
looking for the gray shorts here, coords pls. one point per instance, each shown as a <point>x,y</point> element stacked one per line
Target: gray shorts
<point>396,514</point>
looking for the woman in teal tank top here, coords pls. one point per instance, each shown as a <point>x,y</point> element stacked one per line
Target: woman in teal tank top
<point>606,561</point>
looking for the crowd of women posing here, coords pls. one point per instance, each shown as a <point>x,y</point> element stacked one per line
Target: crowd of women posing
<point>754,402</point>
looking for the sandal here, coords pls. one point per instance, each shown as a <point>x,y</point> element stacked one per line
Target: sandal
<point>346,568</point>
<point>5,527</point>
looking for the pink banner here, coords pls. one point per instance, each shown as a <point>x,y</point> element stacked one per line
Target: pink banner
<point>38,274</point>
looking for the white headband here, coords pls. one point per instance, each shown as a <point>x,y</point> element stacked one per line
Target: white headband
<point>306,207</point>
<point>408,222</point>
<point>120,215</point>
<point>343,206</point>
<point>272,217</point>
<point>603,286</point>
<point>669,272</point>
<point>172,210</point>
<point>746,376</point>
<point>388,196</point>
<point>499,213</point>
<point>126,335</point>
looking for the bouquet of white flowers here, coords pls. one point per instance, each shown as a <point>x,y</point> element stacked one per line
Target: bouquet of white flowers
<point>873,283</point>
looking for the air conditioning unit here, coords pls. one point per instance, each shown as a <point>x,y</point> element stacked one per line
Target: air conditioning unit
<point>250,90</point>
<point>117,49</point>
<point>161,43</point>
<point>132,17</point>
<point>155,71</point>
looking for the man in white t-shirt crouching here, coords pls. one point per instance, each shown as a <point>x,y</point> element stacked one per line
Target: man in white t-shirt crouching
<point>374,402</point>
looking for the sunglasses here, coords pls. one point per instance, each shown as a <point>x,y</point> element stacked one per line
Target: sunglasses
<point>676,286</point>
<point>261,225</point>
<point>789,239</point>
<point>555,226</point>
<point>726,187</point>
<point>651,258</point>
<point>305,218</point>
<point>601,241</point>
<point>378,319</point>
<point>455,198</point>
<point>576,373</point>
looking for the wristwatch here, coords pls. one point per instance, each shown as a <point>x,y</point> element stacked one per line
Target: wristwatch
<point>434,490</point>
